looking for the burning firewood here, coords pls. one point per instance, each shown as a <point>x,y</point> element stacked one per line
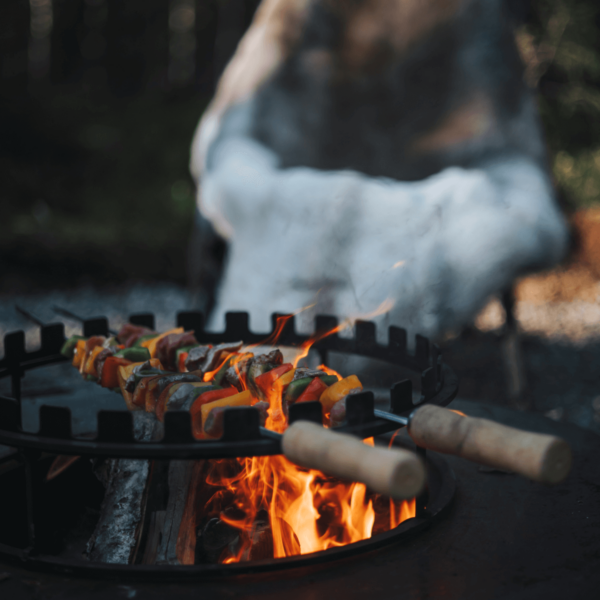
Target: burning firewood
<point>273,506</point>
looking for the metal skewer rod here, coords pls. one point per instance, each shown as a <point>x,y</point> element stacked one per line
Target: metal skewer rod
<point>72,315</point>
<point>31,317</point>
<point>382,414</point>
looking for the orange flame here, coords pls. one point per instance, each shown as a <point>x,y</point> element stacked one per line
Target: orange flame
<point>307,510</point>
<point>329,371</point>
<point>279,509</point>
<point>383,308</point>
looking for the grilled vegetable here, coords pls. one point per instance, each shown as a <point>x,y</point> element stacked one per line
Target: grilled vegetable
<point>239,372</point>
<point>241,399</point>
<point>109,376</point>
<point>89,367</point>
<point>313,391</point>
<point>339,390</point>
<point>181,396</point>
<point>266,383</point>
<point>69,346</point>
<point>79,352</point>
<point>134,354</point>
<point>126,376</point>
<point>297,386</point>
<point>144,338</point>
<point>208,396</point>
<point>153,342</point>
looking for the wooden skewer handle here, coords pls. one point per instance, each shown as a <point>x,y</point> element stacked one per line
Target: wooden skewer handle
<point>543,458</point>
<point>396,473</point>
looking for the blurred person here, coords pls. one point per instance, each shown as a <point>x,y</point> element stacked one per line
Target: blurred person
<point>373,156</point>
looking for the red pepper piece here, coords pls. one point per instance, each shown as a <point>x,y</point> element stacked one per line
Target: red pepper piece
<point>211,397</point>
<point>196,409</point>
<point>110,378</point>
<point>313,392</point>
<point>181,364</point>
<point>266,380</point>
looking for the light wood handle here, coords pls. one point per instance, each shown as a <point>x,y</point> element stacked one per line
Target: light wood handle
<point>543,458</point>
<point>396,473</point>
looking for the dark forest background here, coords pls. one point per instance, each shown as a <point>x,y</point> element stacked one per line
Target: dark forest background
<point>99,100</point>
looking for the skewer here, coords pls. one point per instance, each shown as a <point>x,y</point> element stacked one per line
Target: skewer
<point>72,315</point>
<point>382,414</point>
<point>29,316</point>
<point>540,457</point>
<point>543,458</point>
<point>397,473</point>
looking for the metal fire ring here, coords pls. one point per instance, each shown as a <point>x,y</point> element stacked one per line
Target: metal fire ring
<point>242,435</point>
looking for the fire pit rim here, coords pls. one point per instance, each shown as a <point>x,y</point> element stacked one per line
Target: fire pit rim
<point>440,502</point>
<point>439,385</point>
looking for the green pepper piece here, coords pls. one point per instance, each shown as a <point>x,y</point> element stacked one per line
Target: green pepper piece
<point>148,336</point>
<point>218,378</point>
<point>90,377</point>
<point>69,346</point>
<point>328,379</point>
<point>134,354</point>
<point>296,388</point>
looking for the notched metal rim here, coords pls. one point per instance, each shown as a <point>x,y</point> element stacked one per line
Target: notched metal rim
<point>115,436</point>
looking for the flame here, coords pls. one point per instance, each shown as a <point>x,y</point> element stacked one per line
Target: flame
<point>329,371</point>
<point>280,323</point>
<point>458,412</point>
<point>383,308</point>
<point>210,374</point>
<point>307,510</point>
<point>279,509</point>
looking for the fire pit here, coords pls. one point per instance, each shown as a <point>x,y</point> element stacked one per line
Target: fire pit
<point>504,536</point>
<point>36,542</point>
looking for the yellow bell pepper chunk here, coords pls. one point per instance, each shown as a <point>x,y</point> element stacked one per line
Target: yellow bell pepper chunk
<point>242,399</point>
<point>90,368</point>
<point>152,343</point>
<point>337,391</point>
<point>123,374</point>
<point>79,353</point>
<point>285,379</point>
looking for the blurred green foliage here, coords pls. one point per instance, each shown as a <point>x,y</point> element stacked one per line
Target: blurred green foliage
<point>97,189</point>
<point>561,49</point>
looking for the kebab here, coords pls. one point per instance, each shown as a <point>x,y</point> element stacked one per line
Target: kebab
<point>161,372</point>
<point>172,371</point>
